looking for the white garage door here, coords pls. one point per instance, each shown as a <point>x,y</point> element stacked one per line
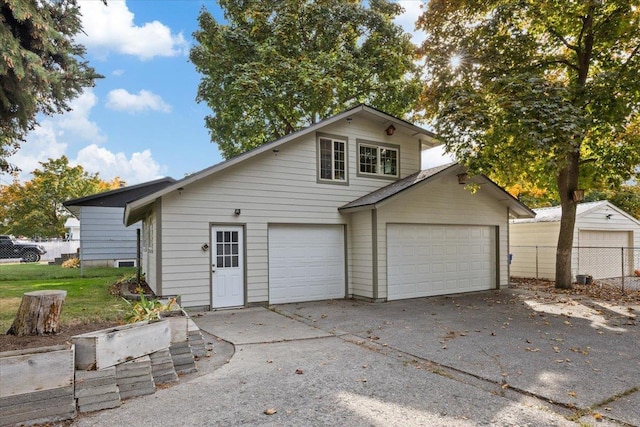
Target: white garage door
<point>600,252</point>
<point>425,260</point>
<point>306,263</point>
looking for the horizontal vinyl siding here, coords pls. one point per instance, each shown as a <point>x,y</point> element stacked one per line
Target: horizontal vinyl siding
<point>527,260</point>
<point>104,236</point>
<point>443,201</point>
<point>597,220</point>
<point>361,271</point>
<point>271,188</point>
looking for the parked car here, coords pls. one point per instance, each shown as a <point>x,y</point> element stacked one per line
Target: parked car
<point>26,251</point>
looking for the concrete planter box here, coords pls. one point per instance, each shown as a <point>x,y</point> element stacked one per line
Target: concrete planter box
<point>36,385</point>
<point>178,323</point>
<point>109,347</point>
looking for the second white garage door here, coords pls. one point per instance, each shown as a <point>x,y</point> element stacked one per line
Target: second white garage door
<point>306,263</point>
<point>600,252</point>
<point>425,260</point>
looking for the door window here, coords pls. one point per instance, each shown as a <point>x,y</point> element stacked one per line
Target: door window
<point>227,246</point>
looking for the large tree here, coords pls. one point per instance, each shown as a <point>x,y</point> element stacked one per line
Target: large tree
<point>34,208</point>
<point>41,67</point>
<point>276,66</point>
<point>544,91</point>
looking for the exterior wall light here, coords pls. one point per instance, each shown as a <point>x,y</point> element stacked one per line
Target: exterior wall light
<point>462,178</point>
<point>390,130</point>
<point>237,212</point>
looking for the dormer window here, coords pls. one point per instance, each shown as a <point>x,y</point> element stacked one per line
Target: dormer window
<point>332,159</point>
<point>378,160</point>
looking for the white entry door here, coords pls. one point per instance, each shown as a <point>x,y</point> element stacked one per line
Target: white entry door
<point>227,267</point>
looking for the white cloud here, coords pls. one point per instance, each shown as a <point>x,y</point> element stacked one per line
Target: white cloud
<point>117,73</point>
<point>121,100</point>
<point>111,28</point>
<point>41,145</point>
<point>412,11</point>
<point>140,167</point>
<point>56,134</point>
<point>76,123</point>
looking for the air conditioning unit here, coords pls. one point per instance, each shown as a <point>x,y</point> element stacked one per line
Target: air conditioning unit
<point>124,263</point>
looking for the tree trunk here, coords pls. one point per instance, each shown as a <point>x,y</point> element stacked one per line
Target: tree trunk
<point>38,314</point>
<point>567,183</point>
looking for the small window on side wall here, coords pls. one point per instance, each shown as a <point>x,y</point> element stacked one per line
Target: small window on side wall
<point>378,160</point>
<point>332,159</point>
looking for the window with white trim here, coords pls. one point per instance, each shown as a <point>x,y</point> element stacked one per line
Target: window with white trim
<point>378,160</point>
<point>332,159</point>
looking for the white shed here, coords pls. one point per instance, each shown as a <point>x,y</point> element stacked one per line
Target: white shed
<point>606,242</point>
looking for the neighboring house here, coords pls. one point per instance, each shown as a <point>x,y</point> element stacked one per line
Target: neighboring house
<point>603,238</point>
<point>72,225</point>
<point>104,240</point>
<point>338,209</point>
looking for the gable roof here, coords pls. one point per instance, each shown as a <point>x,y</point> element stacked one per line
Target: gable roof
<point>554,213</point>
<point>369,201</point>
<point>136,209</point>
<point>117,198</point>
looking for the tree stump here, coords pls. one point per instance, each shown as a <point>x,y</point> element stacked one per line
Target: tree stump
<point>38,314</point>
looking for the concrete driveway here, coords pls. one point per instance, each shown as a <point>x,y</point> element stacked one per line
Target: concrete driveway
<point>493,358</point>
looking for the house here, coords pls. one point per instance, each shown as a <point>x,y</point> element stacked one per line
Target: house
<point>604,237</point>
<point>104,240</point>
<point>338,209</point>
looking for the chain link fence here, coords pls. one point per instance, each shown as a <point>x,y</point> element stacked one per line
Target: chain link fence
<point>616,266</point>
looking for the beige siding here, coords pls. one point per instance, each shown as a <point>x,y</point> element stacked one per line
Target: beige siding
<point>443,201</point>
<point>269,188</point>
<point>361,262</point>
<point>529,261</point>
<point>597,220</point>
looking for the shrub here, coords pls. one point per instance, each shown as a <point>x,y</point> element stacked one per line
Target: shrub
<point>147,309</point>
<point>71,263</point>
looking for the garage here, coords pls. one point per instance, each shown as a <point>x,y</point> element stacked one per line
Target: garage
<point>306,263</point>
<point>600,252</point>
<point>425,260</point>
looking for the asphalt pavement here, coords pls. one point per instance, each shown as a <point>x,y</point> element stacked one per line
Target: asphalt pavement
<point>499,358</point>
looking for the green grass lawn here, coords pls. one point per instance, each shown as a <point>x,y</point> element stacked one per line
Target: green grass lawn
<point>88,298</point>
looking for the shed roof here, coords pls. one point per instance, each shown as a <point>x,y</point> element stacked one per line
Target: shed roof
<point>554,213</point>
<point>369,201</point>
<point>117,198</point>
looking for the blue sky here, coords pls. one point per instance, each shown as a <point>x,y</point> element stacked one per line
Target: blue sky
<point>141,121</point>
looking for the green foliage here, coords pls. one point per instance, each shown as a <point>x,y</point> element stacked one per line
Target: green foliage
<point>627,198</point>
<point>543,93</point>
<point>88,297</point>
<point>35,207</point>
<point>536,83</point>
<point>147,309</point>
<point>276,67</point>
<point>41,66</point>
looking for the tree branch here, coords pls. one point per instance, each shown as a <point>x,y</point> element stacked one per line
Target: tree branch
<point>563,40</point>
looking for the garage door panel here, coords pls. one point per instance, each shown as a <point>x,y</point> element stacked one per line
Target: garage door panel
<point>306,263</point>
<point>448,258</point>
